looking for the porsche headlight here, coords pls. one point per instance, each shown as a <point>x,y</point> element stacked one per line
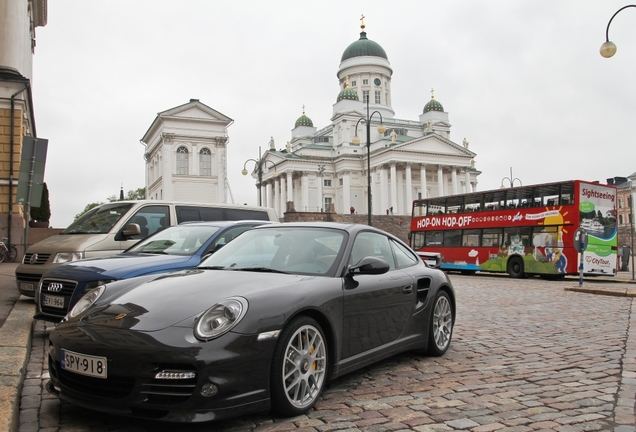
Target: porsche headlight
<point>220,318</point>
<point>95,284</point>
<point>86,301</point>
<point>63,257</point>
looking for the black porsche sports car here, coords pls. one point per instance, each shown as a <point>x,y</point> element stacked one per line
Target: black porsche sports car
<point>263,323</point>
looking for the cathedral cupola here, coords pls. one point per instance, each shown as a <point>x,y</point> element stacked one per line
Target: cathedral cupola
<point>363,47</point>
<point>347,92</point>
<point>433,105</point>
<point>303,120</point>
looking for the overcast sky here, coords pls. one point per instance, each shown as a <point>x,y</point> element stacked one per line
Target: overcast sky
<point>523,81</point>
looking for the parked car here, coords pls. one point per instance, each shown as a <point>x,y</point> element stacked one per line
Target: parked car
<point>262,323</point>
<point>174,248</point>
<point>114,227</point>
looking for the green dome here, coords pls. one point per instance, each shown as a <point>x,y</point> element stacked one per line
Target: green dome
<point>363,47</point>
<point>433,105</point>
<point>303,120</point>
<point>348,93</point>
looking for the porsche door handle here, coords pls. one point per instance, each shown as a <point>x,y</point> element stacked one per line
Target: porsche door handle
<point>408,288</point>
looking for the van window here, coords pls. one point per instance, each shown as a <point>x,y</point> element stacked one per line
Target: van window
<point>188,214</point>
<point>245,214</point>
<point>151,219</point>
<point>99,220</point>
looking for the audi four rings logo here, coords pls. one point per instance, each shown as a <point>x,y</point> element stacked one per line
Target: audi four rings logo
<point>55,287</point>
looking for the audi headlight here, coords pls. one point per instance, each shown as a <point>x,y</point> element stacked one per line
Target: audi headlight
<point>86,301</point>
<point>63,257</point>
<point>220,318</point>
<point>96,284</point>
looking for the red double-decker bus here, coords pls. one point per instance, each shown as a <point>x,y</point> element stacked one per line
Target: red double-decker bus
<point>525,230</point>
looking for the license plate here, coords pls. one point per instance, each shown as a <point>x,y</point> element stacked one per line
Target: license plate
<point>84,364</point>
<point>27,286</point>
<point>53,301</point>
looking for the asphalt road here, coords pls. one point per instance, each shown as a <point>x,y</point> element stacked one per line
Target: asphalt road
<point>527,355</point>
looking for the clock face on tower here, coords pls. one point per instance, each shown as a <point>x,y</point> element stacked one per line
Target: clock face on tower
<point>377,81</point>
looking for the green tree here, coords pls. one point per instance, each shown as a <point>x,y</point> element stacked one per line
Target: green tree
<point>137,194</point>
<point>42,213</point>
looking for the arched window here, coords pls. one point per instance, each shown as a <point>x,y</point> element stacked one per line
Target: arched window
<point>182,161</point>
<point>205,162</point>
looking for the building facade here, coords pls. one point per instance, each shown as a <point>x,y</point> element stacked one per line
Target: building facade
<point>186,155</point>
<point>18,21</point>
<point>330,169</point>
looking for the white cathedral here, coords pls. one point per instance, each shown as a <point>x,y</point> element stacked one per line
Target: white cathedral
<point>326,169</point>
<point>408,160</point>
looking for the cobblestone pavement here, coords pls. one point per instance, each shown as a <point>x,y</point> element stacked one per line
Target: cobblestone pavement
<point>526,356</point>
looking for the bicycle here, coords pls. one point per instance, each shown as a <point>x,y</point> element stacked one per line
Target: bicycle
<point>7,253</point>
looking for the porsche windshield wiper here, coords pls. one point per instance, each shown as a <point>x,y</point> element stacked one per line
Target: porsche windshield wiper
<point>261,269</point>
<point>214,268</point>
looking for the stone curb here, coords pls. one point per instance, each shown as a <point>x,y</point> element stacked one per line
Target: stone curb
<point>616,292</point>
<point>15,343</point>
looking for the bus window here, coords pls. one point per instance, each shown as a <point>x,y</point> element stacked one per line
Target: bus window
<point>452,238</point>
<point>434,238</point>
<point>418,240</point>
<point>491,237</point>
<point>471,237</point>
<point>455,205</point>
<point>546,236</point>
<point>419,209</point>
<point>567,193</point>
<point>517,238</point>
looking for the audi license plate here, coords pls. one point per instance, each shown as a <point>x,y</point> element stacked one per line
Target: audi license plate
<point>26,286</point>
<point>53,301</point>
<point>84,364</point>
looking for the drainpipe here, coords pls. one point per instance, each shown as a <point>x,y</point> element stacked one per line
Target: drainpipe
<point>29,102</point>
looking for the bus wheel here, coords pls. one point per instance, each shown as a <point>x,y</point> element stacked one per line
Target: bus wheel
<point>515,268</point>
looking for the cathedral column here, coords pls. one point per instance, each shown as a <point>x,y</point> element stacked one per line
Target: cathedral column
<point>276,194</point>
<point>290,191</point>
<point>321,192</point>
<point>394,202</point>
<point>423,181</point>
<point>409,189</point>
<point>268,194</point>
<point>384,189</point>
<point>346,191</point>
<point>466,181</point>
<point>283,197</point>
<point>440,181</point>
<point>454,179</point>
<point>304,197</point>
<point>221,159</point>
<point>375,191</point>
<point>400,194</point>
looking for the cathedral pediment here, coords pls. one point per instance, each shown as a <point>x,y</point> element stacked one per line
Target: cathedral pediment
<point>195,110</point>
<point>434,143</point>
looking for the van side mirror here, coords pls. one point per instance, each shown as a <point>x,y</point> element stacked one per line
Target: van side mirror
<point>129,230</point>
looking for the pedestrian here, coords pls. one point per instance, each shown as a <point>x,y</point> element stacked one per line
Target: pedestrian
<point>352,210</point>
<point>387,212</point>
<point>391,210</point>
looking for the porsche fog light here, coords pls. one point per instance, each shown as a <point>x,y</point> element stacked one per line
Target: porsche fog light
<point>175,375</point>
<point>209,390</point>
<point>220,318</point>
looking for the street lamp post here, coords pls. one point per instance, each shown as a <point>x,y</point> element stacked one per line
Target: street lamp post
<point>258,166</point>
<point>511,180</point>
<point>356,140</point>
<point>608,49</point>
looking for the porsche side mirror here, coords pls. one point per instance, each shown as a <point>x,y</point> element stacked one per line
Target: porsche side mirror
<point>369,265</point>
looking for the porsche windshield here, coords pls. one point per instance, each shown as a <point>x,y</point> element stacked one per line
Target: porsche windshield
<point>297,250</point>
<point>99,220</point>
<point>176,240</point>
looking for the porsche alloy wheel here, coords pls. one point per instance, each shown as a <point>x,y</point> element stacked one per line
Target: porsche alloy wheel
<point>441,329</point>
<point>299,367</point>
